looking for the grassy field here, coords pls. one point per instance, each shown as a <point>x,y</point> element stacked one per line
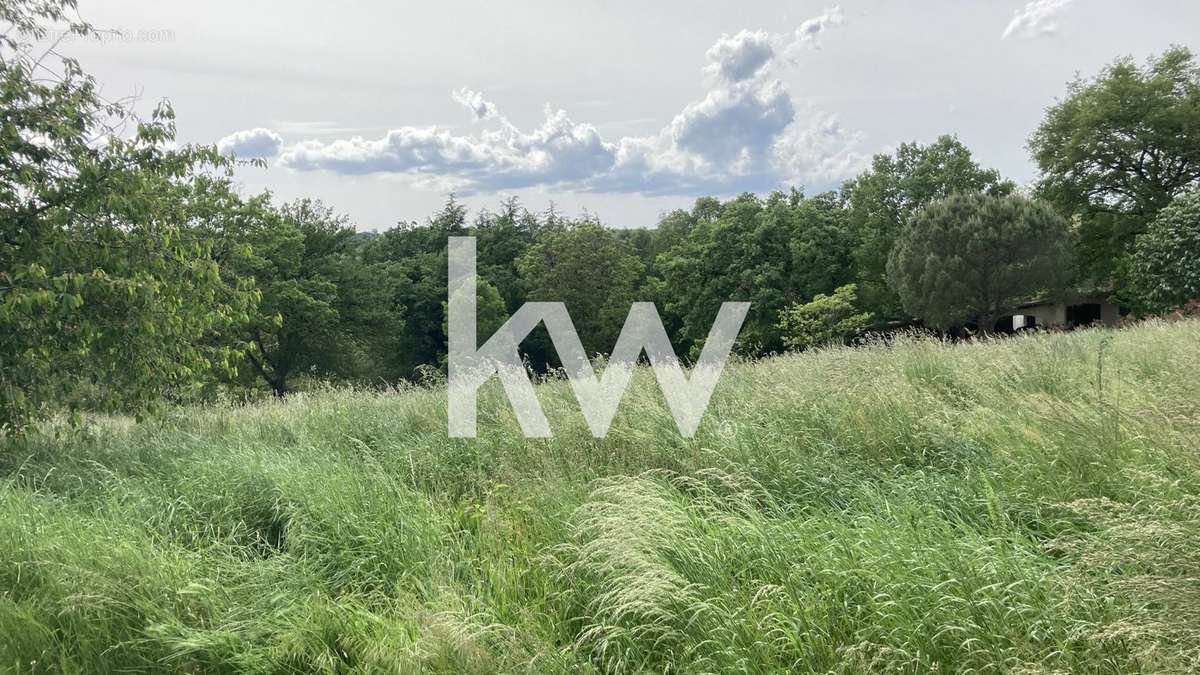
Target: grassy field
<point>1021,505</point>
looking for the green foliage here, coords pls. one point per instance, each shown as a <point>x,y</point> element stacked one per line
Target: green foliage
<point>585,266</point>
<point>502,238</point>
<point>131,272</point>
<point>1118,148</point>
<point>772,253</point>
<point>108,294</point>
<point>914,506</point>
<point>1164,272</point>
<point>409,263</point>
<point>322,308</point>
<point>26,21</point>
<point>883,200</point>
<point>974,258</point>
<point>826,319</point>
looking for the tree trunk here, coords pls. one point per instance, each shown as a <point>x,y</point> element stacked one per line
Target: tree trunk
<point>279,385</point>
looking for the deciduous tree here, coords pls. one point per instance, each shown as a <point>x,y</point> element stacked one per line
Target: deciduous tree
<point>592,271</point>
<point>771,252</point>
<point>1117,149</point>
<point>322,306</point>
<point>1164,271</point>
<point>107,294</point>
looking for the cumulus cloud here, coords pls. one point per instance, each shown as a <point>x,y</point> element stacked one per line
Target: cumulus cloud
<point>481,108</point>
<point>741,56</point>
<point>734,124</point>
<point>721,143</point>
<point>251,144</point>
<point>1037,18</point>
<point>744,134</point>
<point>809,32</point>
<point>821,151</point>
<point>558,151</point>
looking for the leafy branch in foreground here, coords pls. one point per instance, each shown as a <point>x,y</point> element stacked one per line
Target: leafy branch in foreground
<point>104,293</point>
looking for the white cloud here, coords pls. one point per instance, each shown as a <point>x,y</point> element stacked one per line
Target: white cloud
<point>809,32</point>
<point>722,143</point>
<point>251,144</point>
<point>742,135</point>
<point>558,151</point>
<point>733,124</point>
<point>1037,18</point>
<point>482,109</point>
<point>821,152</point>
<point>741,56</point>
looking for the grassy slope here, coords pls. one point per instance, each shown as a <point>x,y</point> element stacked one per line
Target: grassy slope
<point>1027,504</point>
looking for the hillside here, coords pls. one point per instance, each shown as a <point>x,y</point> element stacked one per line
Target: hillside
<point>1028,504</point>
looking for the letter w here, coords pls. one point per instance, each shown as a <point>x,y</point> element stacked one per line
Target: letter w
<point>470,366</point>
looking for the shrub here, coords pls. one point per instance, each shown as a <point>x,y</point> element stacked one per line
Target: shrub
<point>825,319</point>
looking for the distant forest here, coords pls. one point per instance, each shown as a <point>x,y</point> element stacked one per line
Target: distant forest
<point>133,271</point>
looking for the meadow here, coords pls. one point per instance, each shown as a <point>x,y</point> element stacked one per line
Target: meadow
<point>1028,504</point>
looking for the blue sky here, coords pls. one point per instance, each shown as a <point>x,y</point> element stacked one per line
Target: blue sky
<point>619,109</point>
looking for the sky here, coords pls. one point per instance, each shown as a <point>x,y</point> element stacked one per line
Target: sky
<point>621,110</point>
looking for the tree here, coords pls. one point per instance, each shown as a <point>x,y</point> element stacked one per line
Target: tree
<point>885,198</point>
<point>319,305</point>
<point>976,258</point>
<point>410,269</point>
<point>1118,149</point>
<point>413,260</point>
<point>371,321</point>
<point>824,320</point>
<point>671,237</point>
<point>822,246</point>
<point>592,271</point>
<point>1164,272</point>
<point>771,252</point>
<point>502,238</point>
<point>108,296</point>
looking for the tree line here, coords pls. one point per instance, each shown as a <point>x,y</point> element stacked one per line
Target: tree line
<point>133,271</point>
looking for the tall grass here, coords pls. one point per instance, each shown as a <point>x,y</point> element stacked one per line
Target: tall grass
<point>1021,505</point>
